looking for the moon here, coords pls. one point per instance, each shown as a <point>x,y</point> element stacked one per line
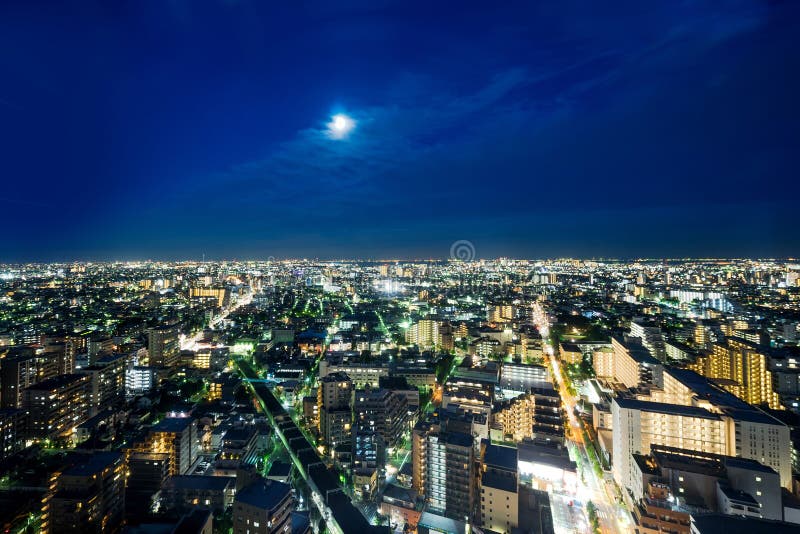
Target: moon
<point>340,126</point>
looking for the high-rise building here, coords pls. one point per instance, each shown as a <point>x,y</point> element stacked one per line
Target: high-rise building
<point>443,469</point>
<point>88,496</point>
<point>107,381</point>
<point>632,363</point>
<point>381,411</point>
<point>335,401</point>
<point>175,436</point>
<point>55,349</point>
<point>499,489</point>
<point>146,473</point>
<point>535,415</point>
<point>701,482</point>
<point>651,338</point>
<point>513,419</point>
<point>740,367</point>
<point>500,313</point>
<point>691,413</point>
<point>163,345</point>
<point>380,419</point>
<point>603,363</point>
<point>16,374</point>
<point>13,423</point>
<point>139,380</point>
<point>74,345</point>
<point>57,405</point>
<point>221,295</point>
<point>431,332</point>
<point>98,345</point>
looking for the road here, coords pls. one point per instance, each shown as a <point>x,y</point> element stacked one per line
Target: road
<point>190,343</point>
<point>612,516</point>
<point>567,518</point>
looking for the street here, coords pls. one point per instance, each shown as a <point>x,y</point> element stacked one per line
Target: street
<point>612,516</point>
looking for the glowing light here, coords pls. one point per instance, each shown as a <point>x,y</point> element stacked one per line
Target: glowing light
<point>340,126</point>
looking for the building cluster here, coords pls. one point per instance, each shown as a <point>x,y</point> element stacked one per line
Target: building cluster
<point>431,396</point>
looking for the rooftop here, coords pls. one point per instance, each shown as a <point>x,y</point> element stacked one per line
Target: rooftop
<point>500,456</point>
<point>265,494</point>
<point>200,482</point>
<point>493,480</point>
<point>172,424</point>
<point>729,524</point>
<point>660,407</point>
<point>93,463</point>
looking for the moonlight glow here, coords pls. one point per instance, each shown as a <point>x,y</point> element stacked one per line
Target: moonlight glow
<point>340,126</point>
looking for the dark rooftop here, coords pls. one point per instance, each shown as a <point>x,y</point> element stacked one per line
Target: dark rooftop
<point>504,483</point>
<point>264,494</point>
<point>729,524</point>
<point>172,424</point>
<point>93,463</point>
<point>501,457</point>
<point>193,522</point>
<point>197,482</point>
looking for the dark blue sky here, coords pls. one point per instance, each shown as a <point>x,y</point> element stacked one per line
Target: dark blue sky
<point>169,129</point>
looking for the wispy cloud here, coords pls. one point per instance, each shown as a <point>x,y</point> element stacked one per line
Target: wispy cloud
<point>425,126</point>
<point>384,138</point>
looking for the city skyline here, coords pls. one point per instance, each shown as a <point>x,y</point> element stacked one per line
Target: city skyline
<point>399,267</point>
<point>244,129</point>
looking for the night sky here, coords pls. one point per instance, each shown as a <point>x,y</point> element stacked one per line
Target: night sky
<point>172,129</point>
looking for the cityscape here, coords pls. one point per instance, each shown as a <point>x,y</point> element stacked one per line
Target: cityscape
<point>452,396</point>
<point>399,267</point>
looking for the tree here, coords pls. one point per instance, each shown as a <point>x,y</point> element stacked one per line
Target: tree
<point>594,520</point>
<point>241,395</point>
